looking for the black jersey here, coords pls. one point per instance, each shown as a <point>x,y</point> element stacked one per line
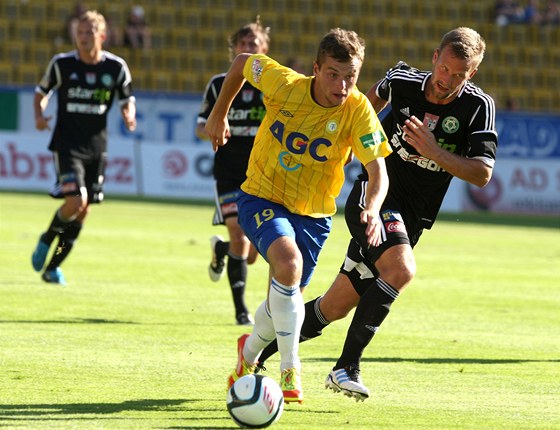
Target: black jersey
<point>244,117</point>
<point>466,127</point>
<point>85,95</point>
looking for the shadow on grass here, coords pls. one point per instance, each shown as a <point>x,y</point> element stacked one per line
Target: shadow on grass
<point>233,426</point>
<point>102,411</point>
<point>69,321</point>
<point>449,360</point>
<point>298,410</point>
<point>42,409</point>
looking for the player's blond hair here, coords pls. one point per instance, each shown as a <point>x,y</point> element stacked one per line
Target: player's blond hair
<point>466,44</point>
<point>96,19</point>
<point>342,45</point>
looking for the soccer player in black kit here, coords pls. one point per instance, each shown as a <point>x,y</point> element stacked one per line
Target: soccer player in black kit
<point>86,81</point>
<point>440,125</point>
<point>230,165</point>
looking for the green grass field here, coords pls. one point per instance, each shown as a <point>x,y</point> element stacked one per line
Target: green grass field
<point>141,339</point>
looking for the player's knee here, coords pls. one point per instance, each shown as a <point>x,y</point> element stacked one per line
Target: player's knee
<point>401,276</point>
<point>74,207</point>
<point>407,274</point>
<point>288,270</point>
<point>410,268</point>
<point>286,262</point>
<point>397,267</point>
<point>253,255</point>
<point>237,237</point>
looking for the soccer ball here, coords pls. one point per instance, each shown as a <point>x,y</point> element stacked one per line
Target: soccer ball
<point>255,401</point>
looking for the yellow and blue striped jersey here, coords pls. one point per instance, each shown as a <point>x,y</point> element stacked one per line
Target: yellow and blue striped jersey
<point>301,147</point>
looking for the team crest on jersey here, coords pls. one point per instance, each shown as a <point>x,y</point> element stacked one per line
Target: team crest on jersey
<point>431,121</point>
<point>91,78</point>
<point>450,124</point>
<point>247,96</point>
<point>107,80</point>
<point>331,126</point>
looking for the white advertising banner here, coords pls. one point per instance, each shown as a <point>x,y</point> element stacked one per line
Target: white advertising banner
<point>177,171</point>
<point>164,158</point>
<point>26,164</point>
<point>185,172</point>
<point>526,176</point>
<point>519,186</point>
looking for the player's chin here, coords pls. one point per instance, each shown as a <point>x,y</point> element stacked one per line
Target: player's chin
<point>339,99</point>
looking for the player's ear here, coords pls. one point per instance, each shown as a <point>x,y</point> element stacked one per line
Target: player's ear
<point>315,68</point>
<point>472,73</point>
<point>435,56</point>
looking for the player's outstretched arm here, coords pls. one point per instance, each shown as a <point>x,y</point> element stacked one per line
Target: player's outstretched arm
<point>217,125</point>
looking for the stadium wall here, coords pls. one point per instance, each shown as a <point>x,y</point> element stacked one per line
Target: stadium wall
<point>165,159</point>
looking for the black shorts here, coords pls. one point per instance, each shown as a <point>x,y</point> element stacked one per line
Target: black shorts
<point>226,193</point>
<point>76,174</point>
<point>359,263</point>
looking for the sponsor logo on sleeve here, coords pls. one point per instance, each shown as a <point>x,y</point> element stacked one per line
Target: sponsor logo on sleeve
<point>372,139</point>
<point>257,70</point>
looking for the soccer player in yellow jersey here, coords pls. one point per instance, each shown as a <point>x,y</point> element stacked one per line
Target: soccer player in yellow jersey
<point>312,126</point>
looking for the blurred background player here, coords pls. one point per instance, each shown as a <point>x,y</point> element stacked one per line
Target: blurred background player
<point>230,166</point>
<point>87,81</point>
<point>73,19</point>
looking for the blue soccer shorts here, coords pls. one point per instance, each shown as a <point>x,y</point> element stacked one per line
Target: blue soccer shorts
<point>264,221</point>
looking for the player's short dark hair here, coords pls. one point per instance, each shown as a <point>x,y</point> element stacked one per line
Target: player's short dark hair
<point>255,28</point>
<point>342,45</point>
